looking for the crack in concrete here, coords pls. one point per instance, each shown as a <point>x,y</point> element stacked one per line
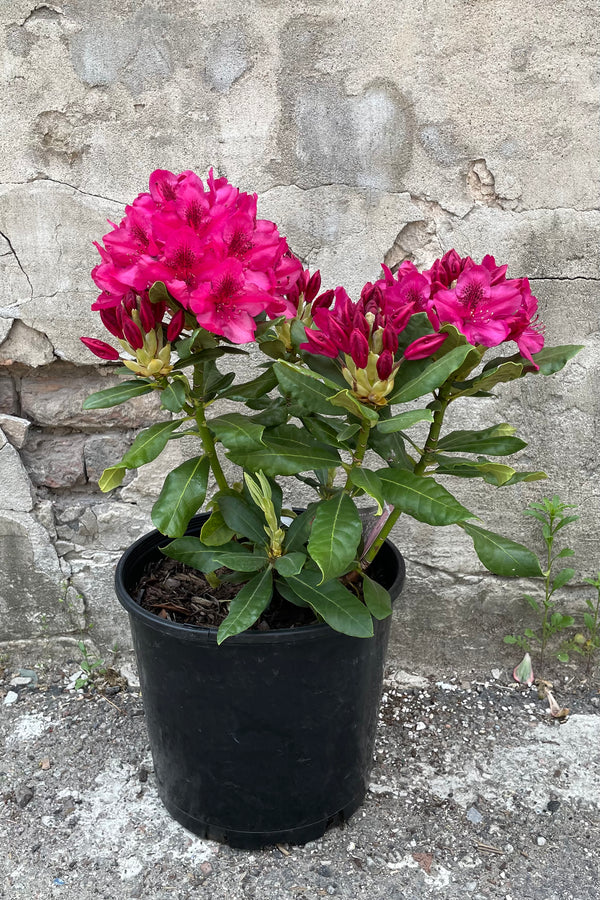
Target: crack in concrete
<point>563,278</point>
<point>12,250</point>
<point>66,184</point>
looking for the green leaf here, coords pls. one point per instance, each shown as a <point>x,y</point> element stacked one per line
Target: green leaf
<point>112,477</point>
<point>346,400</point>
<point>148,444</point>
<point>215,532</point>
<point>565,552</point>
<point>237,432</point>
<point>246,520</point>
<point>192,552</point>
<point>421,497</point>
<point>339,607</point>
<point>290,563</point>
<point>497,440</point>
<point>158,293</point>
<point>501,555</point>
<point>370,483</point>
<point>181,496</point>
<point>118,394</point>
<point>287,450</point>
<point>553,359</point>
<point>417,326</point>
<point>589,622</point>
<point>502,372</point>
<point>377,599</point>
<point>210,354</point>
<point>238,558</point>
<point>334,537</point>
<point>252,390</point>
<point>532,602</point>
<point>405,420</point>
<point>174,395</point>
<point>429,378</point>
<point>348,431</point>
<point>247,606</point>
<point>563,577</point>
<point>509,639</point>
<point>325,366</point>
<point>390,447</point>
<point>298,530</point>
<point>310,391</point>
<point>563,656</point>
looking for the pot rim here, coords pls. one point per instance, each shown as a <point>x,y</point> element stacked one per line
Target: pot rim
<point>148,543</point>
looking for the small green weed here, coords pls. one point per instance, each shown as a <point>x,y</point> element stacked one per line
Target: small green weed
<point>90,668</point>
<point>553,516</point>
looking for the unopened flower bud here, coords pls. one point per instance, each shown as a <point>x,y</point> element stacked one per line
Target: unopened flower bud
<point>385,365</point>
<point>111,321</point>
<point>312,288</point>
<point>175,326</point>
<point>359,349</point>
<point>147,317</point>
<point>100,349</point>
<point>132,334</point>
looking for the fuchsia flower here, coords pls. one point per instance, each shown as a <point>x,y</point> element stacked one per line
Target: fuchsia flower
<point>478,300</point>
<point>363,336</point>
<point>205,242</point>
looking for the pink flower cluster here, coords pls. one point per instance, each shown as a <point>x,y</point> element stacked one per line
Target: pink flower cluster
<point>356,330</point>
<point>217,259</point>
<point>484,305</point>
<point>131,321</point>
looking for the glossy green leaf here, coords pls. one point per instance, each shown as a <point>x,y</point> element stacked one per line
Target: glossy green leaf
<point>346,432</point>
<point>404,420</point>
<point>325,366</point>
<point>117,394</point>
<point>239,558</point>
<point>310,390</point>
<point>158,293</point>
<point>429,378</point>
<point>251,390</point>
<point>498,440</point>
<point>192,552</point>
<point>370,483</point>
<point>112,478</point>
<point>421,497</point>
<point>149,444</point>
<point>501,555</point>
<point>335,536</point>
<point>237,432</point>
<point>173,397</point>
<point>298,531</point>
<point>503,372</point>
<point>290,563</point>
<point>247,606</point>
<point>346,400</point>
<point>417,326</point>
<point>553,359</point>
<point>181,496</point>
<point>339,607</point>
<point>377,599</point>
<point>245,518</point>
<point>215,532</point>
<point>391,448</point>
<point>287,450</point>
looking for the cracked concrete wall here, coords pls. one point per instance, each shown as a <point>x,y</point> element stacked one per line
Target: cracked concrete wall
<point>372,132</point>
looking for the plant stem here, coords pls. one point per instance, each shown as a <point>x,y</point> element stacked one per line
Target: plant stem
<point>443,398</point>
<point>359,453</point>
<point>210,449</point>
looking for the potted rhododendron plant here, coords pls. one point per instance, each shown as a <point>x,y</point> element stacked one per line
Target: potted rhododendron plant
<point>261,684</point>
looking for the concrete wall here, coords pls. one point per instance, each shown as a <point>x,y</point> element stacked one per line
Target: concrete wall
<point>371,131</point>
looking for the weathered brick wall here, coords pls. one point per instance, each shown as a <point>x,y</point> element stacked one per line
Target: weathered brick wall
<point>371,131</point>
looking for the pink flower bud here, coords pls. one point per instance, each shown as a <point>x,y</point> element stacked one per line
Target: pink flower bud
<point>132,334</point>
<point>360,324</point>
<point>385,364</point>
<point>389,339</point>
<point>99,348</point>
<point>320,344</point>
<point>313,286</point>
<point>359,349</point>
<point>175,326</point>
<point>323,301</point>
<point>111,321</point>
<point>424,346</point>
<point>147,314</point>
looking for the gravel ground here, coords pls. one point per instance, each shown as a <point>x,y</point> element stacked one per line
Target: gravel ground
<point>476,792</point>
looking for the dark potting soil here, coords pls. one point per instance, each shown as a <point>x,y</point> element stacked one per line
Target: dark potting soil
<point>179,593</point>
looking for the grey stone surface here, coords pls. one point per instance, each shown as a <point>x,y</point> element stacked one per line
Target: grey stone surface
<point>371,132</point>
<point>475,792</point>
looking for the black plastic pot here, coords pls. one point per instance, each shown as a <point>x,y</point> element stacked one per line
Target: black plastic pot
<point>269,737</point>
